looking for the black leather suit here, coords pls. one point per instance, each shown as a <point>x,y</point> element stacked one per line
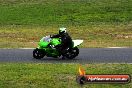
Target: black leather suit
<point>66,42</point>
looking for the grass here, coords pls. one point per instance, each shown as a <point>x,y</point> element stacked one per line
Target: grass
<point>25,75</point>
<point>94,36</point>
<point>66,12</point>
<point>100,23</point>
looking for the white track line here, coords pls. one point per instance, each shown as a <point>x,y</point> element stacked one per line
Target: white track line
<point>117,47</point>
<point>103,47</point>
<point>87,48</point>
<point>26,48</point>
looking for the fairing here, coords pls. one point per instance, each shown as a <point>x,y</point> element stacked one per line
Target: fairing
<point>77,42</point>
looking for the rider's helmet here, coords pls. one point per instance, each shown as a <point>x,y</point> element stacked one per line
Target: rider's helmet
<point>62,31</point>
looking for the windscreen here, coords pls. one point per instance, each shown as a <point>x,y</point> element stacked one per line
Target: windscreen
<point>46,39</point>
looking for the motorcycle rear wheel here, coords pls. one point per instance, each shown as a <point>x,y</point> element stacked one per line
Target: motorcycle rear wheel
<point>72,53</point>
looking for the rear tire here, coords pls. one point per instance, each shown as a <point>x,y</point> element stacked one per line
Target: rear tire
<point>72,53</point>
<point>38,53</point>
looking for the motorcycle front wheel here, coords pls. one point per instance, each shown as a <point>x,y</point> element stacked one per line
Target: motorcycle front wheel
<point>38,53</point>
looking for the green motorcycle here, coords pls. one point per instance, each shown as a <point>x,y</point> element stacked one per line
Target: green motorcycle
<point>44,49</point>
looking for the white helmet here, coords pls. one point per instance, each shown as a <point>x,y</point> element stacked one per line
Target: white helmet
<point>62,30</point>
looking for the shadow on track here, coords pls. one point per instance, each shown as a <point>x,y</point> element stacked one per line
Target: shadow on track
<point>55,60</point>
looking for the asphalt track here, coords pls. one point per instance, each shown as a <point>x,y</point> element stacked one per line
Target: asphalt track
<point>87,55</point>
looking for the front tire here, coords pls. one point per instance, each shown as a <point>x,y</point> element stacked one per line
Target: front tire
<point>72,53</point>
<point>38,53</point>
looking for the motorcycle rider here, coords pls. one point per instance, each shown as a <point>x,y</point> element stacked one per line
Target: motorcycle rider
<point>66,41</point>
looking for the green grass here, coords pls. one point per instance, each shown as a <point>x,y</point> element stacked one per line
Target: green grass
<point>66,12</point>
<point>100,23</point>
<point>39,75</point>
<point>93,36</point>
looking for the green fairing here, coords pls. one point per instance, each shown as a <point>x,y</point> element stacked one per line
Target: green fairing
<point>55,41</point>
<point>43,44</point>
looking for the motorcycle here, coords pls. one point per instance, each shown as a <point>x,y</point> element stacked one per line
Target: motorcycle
<point>44,49</point>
